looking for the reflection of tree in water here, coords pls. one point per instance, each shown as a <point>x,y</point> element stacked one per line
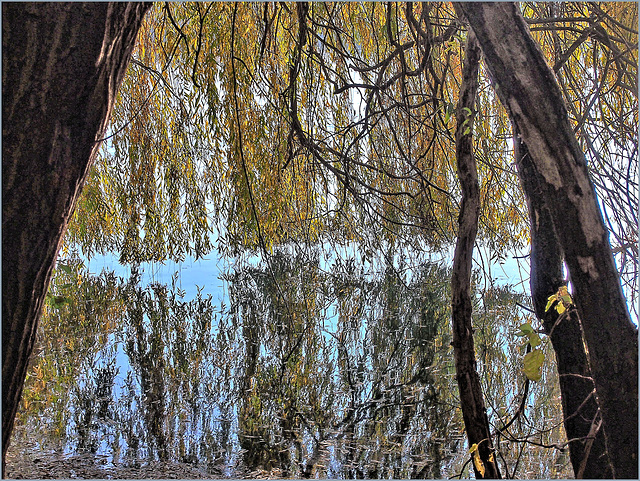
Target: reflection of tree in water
<point>328,373</point>
<point>162,407</point>
<point>145,348</point>
<point>73,333</point>
<point>328,369</point>
<point>92,403</point>
<point>276,326</point>
<point>365,389</point>
<point>169,344</point>
<point>405,322</point>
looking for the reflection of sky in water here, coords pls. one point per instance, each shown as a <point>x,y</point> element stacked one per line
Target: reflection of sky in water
<point>192,277</point>
<point>331,460</point>
<point>192,274</point>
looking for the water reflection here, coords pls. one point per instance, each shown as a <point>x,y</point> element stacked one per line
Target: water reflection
<point>312,370</point>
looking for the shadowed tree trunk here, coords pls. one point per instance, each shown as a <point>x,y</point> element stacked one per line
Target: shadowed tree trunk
<point>588,458</point>
<point>61,66</point>
<point>471,399</point>
<point>529,91</point>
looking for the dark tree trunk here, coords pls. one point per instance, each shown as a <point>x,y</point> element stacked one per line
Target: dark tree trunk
<point>61,66</point>
<point>471,398</point>
<point>529,91</point>
<point>588,458</point>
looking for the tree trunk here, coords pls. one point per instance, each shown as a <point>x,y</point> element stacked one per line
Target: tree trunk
<point>61,66</point>
<point>529,91</point>
<point>471,398</point>
<point>576,385</point>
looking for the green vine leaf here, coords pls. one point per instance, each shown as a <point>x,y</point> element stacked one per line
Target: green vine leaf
<point>66,268</point>
<point>527,330</point>
<point>533,362</point>
<point>56,302</point>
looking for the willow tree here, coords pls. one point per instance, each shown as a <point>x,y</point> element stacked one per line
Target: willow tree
<point>352,107</point>
<point>331,123</point>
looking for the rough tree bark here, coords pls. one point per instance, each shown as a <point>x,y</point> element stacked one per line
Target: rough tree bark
<point>61,66</point>
<point>471,399</point>
<point>588,458</point>
<point>529,91</point>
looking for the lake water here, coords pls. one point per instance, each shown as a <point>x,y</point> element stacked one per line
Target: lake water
<point>300,367</point>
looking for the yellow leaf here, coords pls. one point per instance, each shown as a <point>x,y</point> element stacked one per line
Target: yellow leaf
<point>551,300</point>
<point>478,463</point>
<point>564,300</point>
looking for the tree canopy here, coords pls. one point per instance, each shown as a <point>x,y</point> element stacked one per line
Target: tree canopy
<point>259,128</point>
<point>258,133</point>
<point>323,124</point>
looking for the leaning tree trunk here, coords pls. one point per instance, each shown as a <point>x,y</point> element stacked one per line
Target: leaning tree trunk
<point>588,456</point>
<point>529,91</point>
<point>61,66</point>
<point>471,399</point>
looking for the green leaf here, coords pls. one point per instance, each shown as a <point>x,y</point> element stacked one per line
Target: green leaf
<point>566,300</point>
<point>534,340</point>
<point>56,302</point>
<point>533,364</point>
<point>526,329</point>
<point>66,268</point>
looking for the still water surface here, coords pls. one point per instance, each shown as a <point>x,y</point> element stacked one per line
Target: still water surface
<point>295,368</point>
